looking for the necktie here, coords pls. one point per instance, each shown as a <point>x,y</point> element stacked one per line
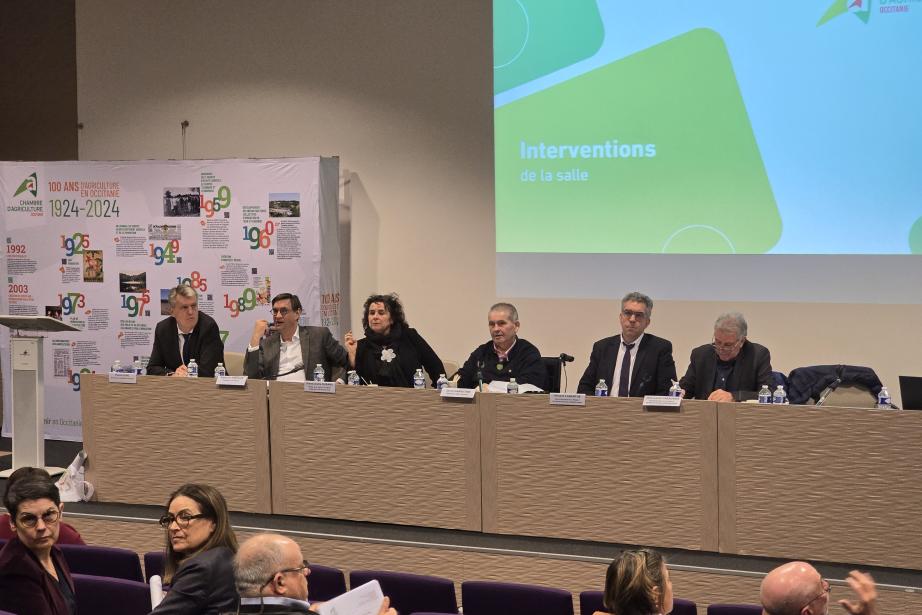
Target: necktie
<point>185,347</point>
<point>623,390</point>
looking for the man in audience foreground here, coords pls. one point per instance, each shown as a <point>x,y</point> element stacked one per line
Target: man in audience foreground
<point>796,588</point>
<point>271,575</point>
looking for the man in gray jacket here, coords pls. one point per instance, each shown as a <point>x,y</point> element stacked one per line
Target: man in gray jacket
<point>286,351</point>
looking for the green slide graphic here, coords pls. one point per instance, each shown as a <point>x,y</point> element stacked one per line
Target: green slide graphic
<point>653,153</point>
<point>533,38</point>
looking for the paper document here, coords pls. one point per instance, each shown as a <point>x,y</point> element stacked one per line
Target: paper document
<point>363,600</point>
<point>499,386</point>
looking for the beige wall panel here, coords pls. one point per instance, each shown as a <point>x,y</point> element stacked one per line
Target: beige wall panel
<point>574,575</point>
<point>147,439</point>
<point>832,484</point>
<point>376,454</point>
<point>609,471</point>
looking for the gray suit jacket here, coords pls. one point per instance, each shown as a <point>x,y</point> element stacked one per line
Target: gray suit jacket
<point>317,346</point>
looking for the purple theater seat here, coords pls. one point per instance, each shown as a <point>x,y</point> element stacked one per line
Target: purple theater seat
<point>410,593</point>
<point>415,613</point>
<point>103,562</point>
<point>154,561</point>
<point>591,601</point>
<point>6,613</point>
<point>109,595</point>
<point>492,598</point>
<point>325,583</point>
<point>734,609</point>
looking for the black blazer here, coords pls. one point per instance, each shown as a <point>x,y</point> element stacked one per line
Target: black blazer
<point>317,346</point>
<point>25,587</point>
<point>205,346</point>
<point>753,369</point>
<point>203,585</point>
<point>653,370</point>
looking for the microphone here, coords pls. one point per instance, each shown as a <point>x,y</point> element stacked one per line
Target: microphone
<point>565,358</point>
<point>832,386</point>
<point>297,368</point>
<point>480,374</point>
<point>643,381</point>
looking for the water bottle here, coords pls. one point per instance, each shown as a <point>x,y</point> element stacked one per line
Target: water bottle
<point>319,374</point>
<point>220,370</point>
<point>675,390</point>
<point>353,378</point>
<point>883,399</point>
<point>512,387</point>
<point>419,381</point>
<point>765,395</point>
<point>116,366</point>
<point>601,389</point>
<point>192,369</point>
<point>442,382</point>
<point>779,397</point>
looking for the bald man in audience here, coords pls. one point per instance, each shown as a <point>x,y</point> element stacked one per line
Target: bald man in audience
<point>796,588</point>
<point>272,574</point>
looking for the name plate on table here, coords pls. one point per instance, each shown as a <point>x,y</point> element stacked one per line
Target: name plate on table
<point>568,399</point>
<point>123,378</point>
<point>661,401</point>
<point>319,387</point>
<point>451,393</point>
<point>231,381</point>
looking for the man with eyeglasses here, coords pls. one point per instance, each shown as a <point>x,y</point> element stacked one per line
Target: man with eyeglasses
<point>730,368</point>
<point>187,334</point>
<point>272,577</point>
<point>287,351</point>
<point>634,363</point>
<point>796,588</point>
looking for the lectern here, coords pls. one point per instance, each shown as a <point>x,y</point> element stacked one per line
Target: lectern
<point>27,388</point>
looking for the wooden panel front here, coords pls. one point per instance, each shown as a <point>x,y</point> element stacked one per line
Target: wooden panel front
<point>144,440</point>
<point>610,471</point>
<point>375,454</point>
<point>833,484</point>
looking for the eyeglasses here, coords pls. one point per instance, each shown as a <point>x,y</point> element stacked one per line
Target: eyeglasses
<point>826,589</point>
<point>725,347</point>
<point>183,520</point>
<point>281,311</point>
<point>49,517</point>
<point>628,314</point>
<point>300,569</point>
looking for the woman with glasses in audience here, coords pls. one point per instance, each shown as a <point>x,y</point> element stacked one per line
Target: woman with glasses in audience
<point>391,352</point>
<point>68,534</point>
<point>34,578</point>
<point>637,583</point>
<point>200,547</point>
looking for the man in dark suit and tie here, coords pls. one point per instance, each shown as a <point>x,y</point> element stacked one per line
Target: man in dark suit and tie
<point>187,334</point>
<point>729,368</point>
<point>634,363</point>
<point>289,351</point>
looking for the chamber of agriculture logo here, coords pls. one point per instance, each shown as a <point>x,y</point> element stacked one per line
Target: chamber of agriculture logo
<point>29,184</point>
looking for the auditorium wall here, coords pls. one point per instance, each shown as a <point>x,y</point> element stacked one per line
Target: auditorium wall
<point>400,90</point>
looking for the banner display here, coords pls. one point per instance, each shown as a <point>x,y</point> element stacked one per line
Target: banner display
<point>99,244</point>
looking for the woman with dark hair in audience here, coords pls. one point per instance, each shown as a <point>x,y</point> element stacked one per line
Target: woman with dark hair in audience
<point>68,534</point>
<point>391,352</point>
<point>200,547</point>
<point>34,578</point>
<point>637,583</point>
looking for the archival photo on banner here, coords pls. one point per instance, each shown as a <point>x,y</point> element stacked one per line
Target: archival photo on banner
<point>99,245</point>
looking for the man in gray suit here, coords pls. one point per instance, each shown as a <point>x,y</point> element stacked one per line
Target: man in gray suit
<point>287,351</point>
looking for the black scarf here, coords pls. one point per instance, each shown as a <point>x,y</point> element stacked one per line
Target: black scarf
<point>386,372</point>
